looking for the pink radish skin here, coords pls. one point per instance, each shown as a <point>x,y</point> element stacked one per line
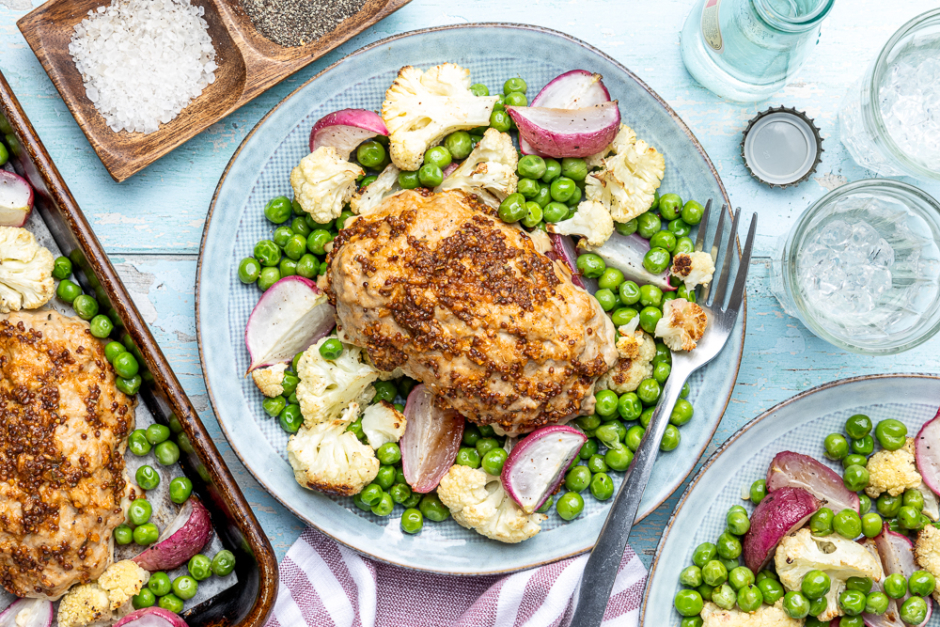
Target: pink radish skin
<point>16,199</point>
<point>927,453</point>
<point>571,90</point>
<point>890,618</point>
<point>565,252</point>
<point>789,469</point>
<point>151,617</point>
<point>897,556</point>
<point>780,513</point>
<point>537,464</point>
<point>567,132</point>
<point>450,169</point>
<point>39,613</point>
<point>625,253</point>
<point>431,440</point>
<point>345,130</point>
<point>184,538</point>
<point>289,318</point>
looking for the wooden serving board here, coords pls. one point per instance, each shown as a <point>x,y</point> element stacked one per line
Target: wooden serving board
<point>248,65</point>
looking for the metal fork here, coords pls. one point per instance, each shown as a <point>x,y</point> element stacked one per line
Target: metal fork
<point>604,562</point>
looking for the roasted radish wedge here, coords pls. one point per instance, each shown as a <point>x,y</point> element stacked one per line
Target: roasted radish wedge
<point>16,199</point>
<point>431,440</point>
<point>345,130</point>
<point>537,464</point>
<point>567,132</point>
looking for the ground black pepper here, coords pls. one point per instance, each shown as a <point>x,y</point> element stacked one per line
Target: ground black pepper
<point>297,22</point>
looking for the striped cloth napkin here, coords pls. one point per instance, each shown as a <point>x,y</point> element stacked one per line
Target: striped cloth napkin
<point>325,584</point>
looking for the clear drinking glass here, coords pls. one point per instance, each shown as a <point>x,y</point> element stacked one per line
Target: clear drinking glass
<point>861,268</point>
<point>890,118</point>
<point>746,50</point>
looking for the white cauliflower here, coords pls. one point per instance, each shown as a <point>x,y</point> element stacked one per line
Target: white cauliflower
<point>327,387</point>
<point>694,269</point>
<point>25,271</point>
<point>765,616</point>
<point>420,108</point>
<point>269,380</point>
<point>323,183</point>
<point>927,553</point>
<point>122,580</point>
<point>103,600</point>
<point>682,325</point>
<point>636,350</point>
<point>629,179</point>
<point>489,172</point>
<point>382,423</point>
<point>893,471</point>
<point>592,221</point>
<point>478,501</point>
<point>385,186</point>
<point>329,458</point>
<point>801,552</point>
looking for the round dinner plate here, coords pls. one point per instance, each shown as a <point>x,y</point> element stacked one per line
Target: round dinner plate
<point>259,170</point>
<point>799,424</point>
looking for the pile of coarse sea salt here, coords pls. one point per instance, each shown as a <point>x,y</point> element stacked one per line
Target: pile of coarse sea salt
<point>143,61</point>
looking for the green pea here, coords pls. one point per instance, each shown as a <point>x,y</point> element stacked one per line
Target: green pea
<point>61,268</point>
<point>432,508</point>
<point>629,292</point>
<point>199,567</point>
<point>664,240</point>
<point>545,507</point>
<point>412,521</point>
<point>269,276</point>
<point>112,350</point>
<point>137,443</point>
<point>651,296</point>
<point>144,598</point>
<point>847,524</point>
<point>147,477</point>
<point>738,523</point>
<point>167,453</point>
<point>648,391</point>
<point>139,511</point>
<point>171,603</point>
<point>588,450</point>
<point>656,260</point>
<point>68,291</point>
<point>479,89</point>
<point>291,419</point>
<point>371,494</point>
<point>400,491</point>
<point>852,602</point>
<point>180,489</point>
<point>552,170</point>
<point>159,584</point>
<point>682,413</point>
<point>409,180</point>
<point>185,587</point>
<point>922,583</point>
<point>86,307</point>
<point>123,534</point>
<point>4,154</point>
<point>703,554</point>
<point>670,205</point>
<point>533,215</point>
<point>331,349</point>
<point>863,446</point>
<point>485,445</point>
<point>370,154</point>
<point>611,279</point>
<point>281,235</point>
<point>815,584</point>
<point>317,241</point>
<point>872,525</point>
<point>817,607</point>
<point>501,121</point>
<point>515,84</point>
<point>471,434</point>
<point>891,434</point>
<point>287,267</point>
<point>384,506</point>
<point>388,454</point>
<point>864,504</point>
<point>129,386</point>
<point>146,534</point>
<point>648,224</point>
<point>295,247</point>
<point>591,265</point>
<point>661,372</point>
<point>570,505</point>
<point>854,459</point>
<point>634,437</point>
<point>688,602</point>
<point>468,457</point>
<point>544,198</point>
<point>691,576</point>
<point>596,463</point>
<point>758,491</point>
<point>858,426</point>
<point>458,144</point>
<point>515,99</point>
<point>750,598</point>
<point>888,506</point>
<point>913,611</point>
<point>439,156</point>
<point>626,228</point>
<point>681,231</point>
<point>268,253</point>
<point>602,486</point>
<point>274,406</point>
<point>249,270</point>
<point>649,317</point>
<point>724,596</point>
<point>862,584</point>
<point>528,188</point>
<point>629,406</point>
<point>278,210</point>
<point>729,547</point>
<point>910,518</point>
<point>915,499</point>
<point>692,212</point>
<point>876,603</point>
<point>647,417</point>
<point>513,208</point>
<point>618,459</point>
<point>671,439</point>
<point>740,577</point>
<point>771,590</point>
<point>836,446</point>
<point>531,167</point>
<point>561,189</point>
<point>623,316</point>
<point>605,403</point>
<point>795,605</point>
<point>493,461</point>
<point>821,522</point>
<point>856,478</point>
<point>578,478</point>
<point>895,586</point>
<point>300,227</point>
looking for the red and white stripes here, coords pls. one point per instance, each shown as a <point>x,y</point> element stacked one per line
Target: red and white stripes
<point>324,584</point>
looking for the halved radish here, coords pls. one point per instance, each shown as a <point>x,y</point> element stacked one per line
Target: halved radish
<point>625,253</point>
<point>567,132</point>
<point>927,453</point>
<point>537,465</point>
<point>185,537</point>
<point>431,440</point>
<point>16,199</point>
<point>571,90</point>
<point>780,513</point>
<point>27,613</point>
<point>289,318</point>
<point>345,130</point>
<point>789,469</point>
<point>151,617</point>
<point>890,618</point>
<point>897,556</point>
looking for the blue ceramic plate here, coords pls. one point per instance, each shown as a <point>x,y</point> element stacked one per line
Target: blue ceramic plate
<point>799,424</point>
<point>260,171</point>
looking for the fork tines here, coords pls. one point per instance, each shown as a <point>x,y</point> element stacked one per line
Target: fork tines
<point>715,298</point>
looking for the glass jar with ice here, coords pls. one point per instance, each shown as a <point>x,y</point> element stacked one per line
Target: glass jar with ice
<point>889,119</point>
<point>861,268</point>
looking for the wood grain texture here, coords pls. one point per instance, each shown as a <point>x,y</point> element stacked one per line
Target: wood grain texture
<point>152,223</point>
<point>248,65</point>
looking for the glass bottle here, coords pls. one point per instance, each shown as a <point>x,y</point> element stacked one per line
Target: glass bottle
<point>747,50</point>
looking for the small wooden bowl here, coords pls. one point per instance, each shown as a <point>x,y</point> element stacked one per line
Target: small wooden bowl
<point>248,65</point>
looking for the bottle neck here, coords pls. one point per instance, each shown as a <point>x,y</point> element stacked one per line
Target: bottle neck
<point>793,16</point>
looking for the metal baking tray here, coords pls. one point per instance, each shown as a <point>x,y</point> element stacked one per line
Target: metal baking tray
<point>245,598</point>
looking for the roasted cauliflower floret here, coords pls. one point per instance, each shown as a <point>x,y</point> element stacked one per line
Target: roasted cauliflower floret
<point>323,183</point>
<point>270,380</point>
<point>420,108</point>
<point>629,178</point>
<point>328,458</point>
<point>592,221</point>
<point>25,271</point>
<point>682,325</point>
<point>327,387</point>
<point>478,501</point>
<point>83,605</point>
<point>801,552</point>
<point>927,553</point>
<point>368,200</point>
<point>636,350</point>
<point>765,616</point>
<point>121,581</point>
<point>893,471</point>
<point>489,172</point>
<point>693,268</point>
<point>382,423</point>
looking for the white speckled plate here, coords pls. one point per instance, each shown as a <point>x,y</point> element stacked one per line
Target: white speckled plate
<point>260,170</point>
<point>799,424</point>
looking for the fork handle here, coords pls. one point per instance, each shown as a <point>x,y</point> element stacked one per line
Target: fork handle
<point>604,563</point>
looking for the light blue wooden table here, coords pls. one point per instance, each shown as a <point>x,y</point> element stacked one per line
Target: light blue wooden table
<point>151,224</point>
